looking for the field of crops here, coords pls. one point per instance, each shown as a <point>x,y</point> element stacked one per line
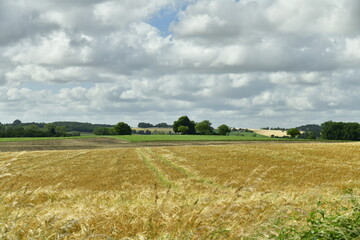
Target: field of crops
<point>178,192</point>
<point>154,130</point>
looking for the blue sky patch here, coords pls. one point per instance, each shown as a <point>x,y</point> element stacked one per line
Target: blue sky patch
<point>163,19</point>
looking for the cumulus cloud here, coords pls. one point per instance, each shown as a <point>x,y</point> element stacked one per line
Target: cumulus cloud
<point>247,63</point>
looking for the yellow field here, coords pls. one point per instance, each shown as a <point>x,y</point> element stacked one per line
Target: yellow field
<point>153,129</point>
<point>269,133</point>
<point>187,192</point>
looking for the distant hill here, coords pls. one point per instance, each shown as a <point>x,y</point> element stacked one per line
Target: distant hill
<point>311,128</point>
<point>149,125</point>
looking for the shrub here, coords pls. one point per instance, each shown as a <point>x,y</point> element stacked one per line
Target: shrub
<point>342,225</point>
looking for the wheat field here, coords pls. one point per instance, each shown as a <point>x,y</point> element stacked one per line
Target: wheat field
<point>185,192</point>
<point>269,133</point>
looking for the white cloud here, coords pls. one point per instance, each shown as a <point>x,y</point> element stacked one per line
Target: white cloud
<point>315,17</point>
<point>224,60</point>
<point>57,48</point>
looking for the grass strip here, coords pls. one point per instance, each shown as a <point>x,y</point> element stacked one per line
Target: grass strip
<point>188,173</point>
<point>159,175</point>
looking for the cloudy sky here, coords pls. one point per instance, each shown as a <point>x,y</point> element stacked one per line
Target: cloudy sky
<point>246,63</point>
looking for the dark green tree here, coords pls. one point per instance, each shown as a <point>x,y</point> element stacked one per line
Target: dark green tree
<point>293,132</point>
<point>163,125</point>
<point>2,130</point>
<point>60,131</point>
<point>223,130</point>
<point>204,127</point>
<point>332,130</point>
<point>184,121</point>
<point>16,122</point>
<point>351,131</point>
<point>16,131</point>
<point>102,131</point>
<point>122,129</point>
<point>33,131</point>
<point>50,129</point>
<point>311,135</point>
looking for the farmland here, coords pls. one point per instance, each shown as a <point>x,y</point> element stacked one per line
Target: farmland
<point>154,129</point>
<point>173,192</point>
<point>126,141</point>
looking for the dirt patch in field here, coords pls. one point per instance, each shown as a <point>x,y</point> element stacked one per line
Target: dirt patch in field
<point>104,142</point>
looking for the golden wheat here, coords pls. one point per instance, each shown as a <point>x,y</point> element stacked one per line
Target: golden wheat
<point>187,192</point>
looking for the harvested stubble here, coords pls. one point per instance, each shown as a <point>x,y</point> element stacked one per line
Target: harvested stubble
<point>192,192</point>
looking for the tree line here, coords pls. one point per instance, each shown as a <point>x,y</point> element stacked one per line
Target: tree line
<point>349,131</point>
<point>328,130</point>
<point>70,126</point>
<point>81,126</point>
<point>340,131</point>
<point>181,126</point>
<point>119,129</point>
<point>33,130</point>
<point>185,126</point>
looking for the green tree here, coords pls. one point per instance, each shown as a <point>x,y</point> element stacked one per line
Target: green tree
<point>351,131</point>
<point>122,129</point>
<point>223,129</point>
<point>183,129</point>
<point>16,131</point>
<point>332,130</point>
<point>204,127</point>
<point>184,121</point>
<point>33,131</point>
<point>293,132</point>
<point>2,130</point>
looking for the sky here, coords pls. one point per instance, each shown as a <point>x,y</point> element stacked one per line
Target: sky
<point>245,63</point>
